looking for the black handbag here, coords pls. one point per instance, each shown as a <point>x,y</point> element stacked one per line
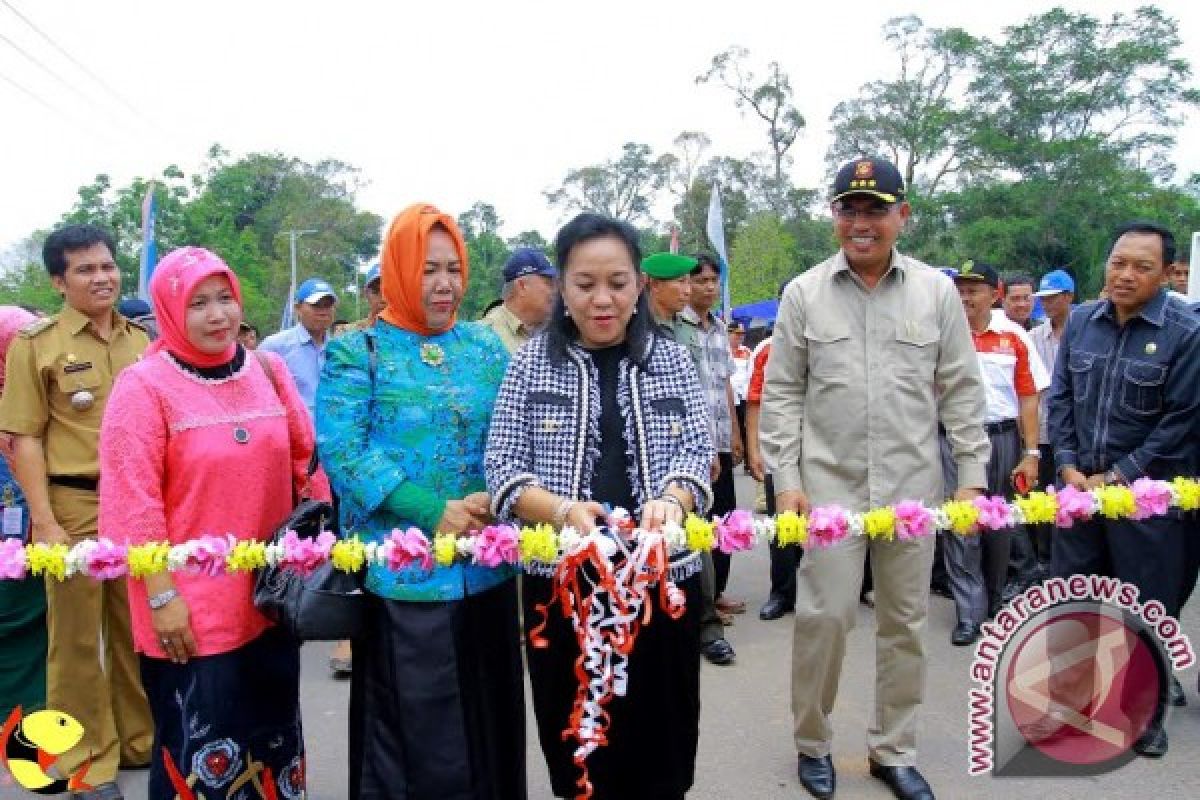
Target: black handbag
<point>325,605</point>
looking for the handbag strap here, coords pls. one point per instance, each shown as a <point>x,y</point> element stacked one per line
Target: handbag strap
<point>265,363</point>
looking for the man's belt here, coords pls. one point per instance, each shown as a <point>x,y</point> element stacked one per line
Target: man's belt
<point>1003,426</point>
<point>71,482</point>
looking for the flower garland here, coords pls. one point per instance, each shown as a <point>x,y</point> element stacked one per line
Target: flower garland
<point>498,545</point>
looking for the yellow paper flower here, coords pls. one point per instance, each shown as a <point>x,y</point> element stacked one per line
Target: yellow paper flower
<point>148,559</point>
<point>538,543</point>
<point>962,516</point>
<point>791,528</point>
<point>246,556</point>
<point>44,559</point>
<point>701,534</point>
<point>1187,490</point>
<point>1115,502</point>
<point>348,555</point>
<point>1038,507</point>
<point>444,549</point>
<point>880,523</point>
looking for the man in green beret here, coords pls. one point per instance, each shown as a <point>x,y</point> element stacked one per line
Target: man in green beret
<point>668,290</point>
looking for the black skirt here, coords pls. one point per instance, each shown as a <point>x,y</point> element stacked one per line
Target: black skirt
<point>653,729</point>
<point>437,705</point>
<point>225,720</point>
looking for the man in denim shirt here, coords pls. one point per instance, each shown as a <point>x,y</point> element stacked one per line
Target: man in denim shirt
<point>1124,406</point>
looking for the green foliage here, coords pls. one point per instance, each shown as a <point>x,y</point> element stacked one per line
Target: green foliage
<point>622,188</point>
<point>764,255</point>
<point>238,209</point>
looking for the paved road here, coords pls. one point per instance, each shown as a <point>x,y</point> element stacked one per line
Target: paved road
<point>745,744</point>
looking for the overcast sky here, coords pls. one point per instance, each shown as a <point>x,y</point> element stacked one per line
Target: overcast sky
<point>447,102</point>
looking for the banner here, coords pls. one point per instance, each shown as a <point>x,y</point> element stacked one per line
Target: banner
<point>149,256</point>
<point>716,235</point>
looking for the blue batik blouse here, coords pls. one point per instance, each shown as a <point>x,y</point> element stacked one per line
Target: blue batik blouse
<point>416,417</point>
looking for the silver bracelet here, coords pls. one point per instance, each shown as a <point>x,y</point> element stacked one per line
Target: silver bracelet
<point>670,498</point>
<point>161,599</point>
<point>560,513</point>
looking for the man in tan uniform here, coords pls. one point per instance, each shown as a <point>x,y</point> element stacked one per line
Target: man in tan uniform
<point>871,351</point>
<point>59,374</point>
<point>528,298</point>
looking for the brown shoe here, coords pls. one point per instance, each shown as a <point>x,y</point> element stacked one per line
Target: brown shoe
<point>731,606</point>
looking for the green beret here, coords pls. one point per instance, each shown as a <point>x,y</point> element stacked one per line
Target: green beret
<point>667,266</point>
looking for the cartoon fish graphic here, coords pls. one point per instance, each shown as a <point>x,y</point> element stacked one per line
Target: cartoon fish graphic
<point>30,746</point>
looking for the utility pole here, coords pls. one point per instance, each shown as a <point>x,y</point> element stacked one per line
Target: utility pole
<point>287,320</point>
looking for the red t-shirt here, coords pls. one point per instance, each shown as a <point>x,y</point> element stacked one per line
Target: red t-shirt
<point>758,374</point>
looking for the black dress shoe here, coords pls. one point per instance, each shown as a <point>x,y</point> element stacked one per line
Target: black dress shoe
<point>1175,695</point>
<point>774,608</point>
<point>964,633</point>
<point>817,775</point>
<point>1152,743</point>
<point>719,652</point>
<point>905,782</point>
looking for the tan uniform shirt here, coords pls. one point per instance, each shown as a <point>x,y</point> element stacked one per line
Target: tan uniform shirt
<point>49,363</point>
<point>508,327</point>
<point>858,380</point>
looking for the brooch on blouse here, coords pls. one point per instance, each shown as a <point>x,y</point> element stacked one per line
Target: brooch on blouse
<point>433,354</point>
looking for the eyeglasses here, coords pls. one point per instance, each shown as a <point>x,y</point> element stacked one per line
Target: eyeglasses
<point>873,214</point>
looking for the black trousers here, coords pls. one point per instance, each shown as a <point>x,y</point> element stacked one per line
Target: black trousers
<point>784,559</point>
<point>1152,554</point>
<point>724,501</point>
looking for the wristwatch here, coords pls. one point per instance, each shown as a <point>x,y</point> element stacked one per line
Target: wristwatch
<point>1032,452</point>
<point>159,600</point>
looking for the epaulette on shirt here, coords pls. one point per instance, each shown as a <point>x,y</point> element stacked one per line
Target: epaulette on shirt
<point>39,326</point>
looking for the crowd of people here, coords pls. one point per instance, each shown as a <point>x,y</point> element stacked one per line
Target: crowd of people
<point>600,380</point>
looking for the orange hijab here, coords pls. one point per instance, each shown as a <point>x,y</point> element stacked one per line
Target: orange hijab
<point>403,264</point>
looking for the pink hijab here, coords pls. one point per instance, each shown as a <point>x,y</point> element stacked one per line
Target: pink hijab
<point>171,288</point>
<point>12,320</point>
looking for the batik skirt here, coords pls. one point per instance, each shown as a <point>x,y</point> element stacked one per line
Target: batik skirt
<point>22,621</point>
<point>228,725</point>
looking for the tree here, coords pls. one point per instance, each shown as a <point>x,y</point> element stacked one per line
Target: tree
<point>769,100</point>
<point>763,256</point>
<point>683,165</point>
<point>917,119</point>
<point>623,188</point>
<point>1062,86</point>
<point>530,239</point>
<point>480,226</point>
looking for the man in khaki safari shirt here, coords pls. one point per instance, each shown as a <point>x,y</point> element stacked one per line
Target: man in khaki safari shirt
<point>871,351</point>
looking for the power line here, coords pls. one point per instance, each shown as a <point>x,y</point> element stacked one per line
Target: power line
<point>66,54</point>
<point>51,107</point>
<point>49,71</point>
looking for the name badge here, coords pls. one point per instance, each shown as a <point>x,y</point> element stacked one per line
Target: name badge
<point>82,366</point>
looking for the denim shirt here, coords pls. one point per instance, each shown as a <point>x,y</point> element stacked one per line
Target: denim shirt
<point>418,422</point>
<point>303,356</point>
<point>1126,397</point>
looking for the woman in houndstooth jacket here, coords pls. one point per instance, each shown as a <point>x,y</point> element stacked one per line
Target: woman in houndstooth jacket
<point>601,409</point>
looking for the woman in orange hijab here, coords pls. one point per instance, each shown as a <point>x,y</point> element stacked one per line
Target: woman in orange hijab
<point>403,408</point>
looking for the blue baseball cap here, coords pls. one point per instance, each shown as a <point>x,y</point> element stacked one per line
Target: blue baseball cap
<point>528,261</point>
<point>313,291</point>
<point>1055,282</point>
<point>372,274</point>
<point>949,272</point>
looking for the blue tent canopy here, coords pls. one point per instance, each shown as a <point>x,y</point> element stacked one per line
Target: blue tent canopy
<point>762,310</point>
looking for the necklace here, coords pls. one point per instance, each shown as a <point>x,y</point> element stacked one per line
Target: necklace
<point>241,434</point>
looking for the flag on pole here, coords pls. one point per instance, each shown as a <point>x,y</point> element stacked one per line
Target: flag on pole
<point>149,257</point>
<point>716,235</point>
<point>674,238</point>
<point>289,311</point>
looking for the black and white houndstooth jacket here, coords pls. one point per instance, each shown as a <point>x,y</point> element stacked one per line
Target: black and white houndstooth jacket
<point>545,428</point>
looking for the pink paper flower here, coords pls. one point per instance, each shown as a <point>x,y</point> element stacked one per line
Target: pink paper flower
<point>13,563</point>
<point>1153,498</point>
<point>408,548</point>
<point>736,531</point>
<point>106,560</point>
<point>1073,505</point>
<point>912,520</point>
<point>305,555</point>
<point>994,513</point>
<point>496,545</point>
<point>208,554</point>
<point>827,525</point>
